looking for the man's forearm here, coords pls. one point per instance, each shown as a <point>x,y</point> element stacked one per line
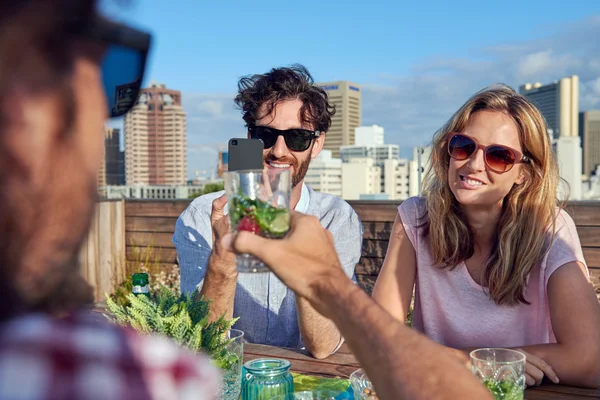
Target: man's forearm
<point>401,363</point>
<point>320,335</point>
<point>219,288</point>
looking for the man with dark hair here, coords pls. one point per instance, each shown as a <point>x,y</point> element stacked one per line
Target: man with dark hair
<point>58,75</point>
<point>291,115</point>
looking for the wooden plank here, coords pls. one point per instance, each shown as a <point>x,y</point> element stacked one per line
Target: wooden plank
<point>585,213</point>
<point>155,208</point>
<point>589,236</point>
<point>548,387</point>
<point>377,230</point>
<point>592,256</point>
<point>376,211</point>
<point>536,394</point>
<point>150,224</point>
<point>366,282</point>
<point>150,239</point>
<point>145,255</point>
<point>369,266</point>
<point>336,365</point>
<point>374,248</point>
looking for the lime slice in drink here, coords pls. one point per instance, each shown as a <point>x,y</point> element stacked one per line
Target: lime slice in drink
<point>280,224</point>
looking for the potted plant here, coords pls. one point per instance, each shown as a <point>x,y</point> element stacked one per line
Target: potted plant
<point>182,318</point>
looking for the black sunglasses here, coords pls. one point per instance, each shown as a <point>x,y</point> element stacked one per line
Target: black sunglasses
<point>295,139</point>
<point>497,157</point>
<point>124,61</point>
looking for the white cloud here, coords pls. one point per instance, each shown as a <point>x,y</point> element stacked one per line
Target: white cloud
<point>412,107</point>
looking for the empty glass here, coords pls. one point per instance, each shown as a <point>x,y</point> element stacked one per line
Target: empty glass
<point>232,372</point>
<point>258,202</point>
<point>502,371</point>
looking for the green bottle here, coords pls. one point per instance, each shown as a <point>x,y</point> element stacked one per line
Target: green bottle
<point>140,284</point>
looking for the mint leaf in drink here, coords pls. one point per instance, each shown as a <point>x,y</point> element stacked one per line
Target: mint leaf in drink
<point>259,216</point>
<point>504,390</point>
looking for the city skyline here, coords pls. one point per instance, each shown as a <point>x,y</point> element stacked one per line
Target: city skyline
<point>410,87</point>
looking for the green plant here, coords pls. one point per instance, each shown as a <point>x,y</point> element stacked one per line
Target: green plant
<point>183,318</point>
<point>208,188</point>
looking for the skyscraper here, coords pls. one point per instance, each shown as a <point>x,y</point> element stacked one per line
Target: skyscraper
<point>346,97</point>
<point>558,102</point>
<point>112,168</point>
<point>589,130</point>
<point>114,158</point>
<point>155,138</point>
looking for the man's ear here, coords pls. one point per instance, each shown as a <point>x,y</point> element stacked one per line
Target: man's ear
<point>317,146</point>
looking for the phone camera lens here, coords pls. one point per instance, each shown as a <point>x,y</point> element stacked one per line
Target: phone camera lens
<point>234,142</point>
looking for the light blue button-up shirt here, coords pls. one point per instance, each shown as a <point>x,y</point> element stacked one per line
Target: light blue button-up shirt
<point>266,307</point>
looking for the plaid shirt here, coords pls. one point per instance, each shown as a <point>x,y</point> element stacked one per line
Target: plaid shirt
<point>80,357</point>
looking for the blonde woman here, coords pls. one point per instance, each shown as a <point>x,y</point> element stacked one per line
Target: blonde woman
<point>492,257</point>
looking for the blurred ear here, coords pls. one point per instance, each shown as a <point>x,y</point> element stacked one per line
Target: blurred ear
<point>317,146</point>
<point>32,126</point>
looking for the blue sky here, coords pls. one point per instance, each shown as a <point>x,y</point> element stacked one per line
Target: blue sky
<point>417,61</point>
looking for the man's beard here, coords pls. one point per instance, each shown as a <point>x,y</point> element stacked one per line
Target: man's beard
<point>300,168</point>
<point>300,172</point>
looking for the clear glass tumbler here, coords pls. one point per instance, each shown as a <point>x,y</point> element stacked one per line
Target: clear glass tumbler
<point>502,371</point>
<point>258,202</point>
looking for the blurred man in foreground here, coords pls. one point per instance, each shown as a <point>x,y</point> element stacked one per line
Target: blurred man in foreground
<point>62,70</point>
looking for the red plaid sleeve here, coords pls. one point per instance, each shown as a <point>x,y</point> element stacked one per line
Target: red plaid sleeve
<point>79,358</point>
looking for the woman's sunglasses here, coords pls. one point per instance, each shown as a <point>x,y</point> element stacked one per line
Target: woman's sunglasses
<point>295,139</point>
<point>498,158</point>
<point>124,61</point>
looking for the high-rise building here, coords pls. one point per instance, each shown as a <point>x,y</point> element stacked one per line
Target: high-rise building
<point>114,157</point>
<point>369,142</point>
<point>360,176</point>
<point>112,168</point>
<point>558,102</point>
<point>325,174</point>
<point>396,179</point>
<point>346,97</point>
<point>369,135</point>
<point>568,156</point>
<point>589,131</point>
<point>222,162</point>
<point>155,138</point>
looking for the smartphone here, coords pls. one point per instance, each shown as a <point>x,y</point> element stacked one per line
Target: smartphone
<point>245,154</point>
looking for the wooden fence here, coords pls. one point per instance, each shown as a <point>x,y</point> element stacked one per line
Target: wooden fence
<point>149,227</point>
<point>102,257</point>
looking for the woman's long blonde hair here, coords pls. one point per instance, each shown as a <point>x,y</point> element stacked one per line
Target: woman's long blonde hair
<point>528,211</point>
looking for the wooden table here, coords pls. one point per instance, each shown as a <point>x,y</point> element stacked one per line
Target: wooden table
<point>343,363</point>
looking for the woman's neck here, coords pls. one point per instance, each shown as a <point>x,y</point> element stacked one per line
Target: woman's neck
<point>483,221</point>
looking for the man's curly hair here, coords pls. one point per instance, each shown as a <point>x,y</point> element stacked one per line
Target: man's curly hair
<point>285,83</point>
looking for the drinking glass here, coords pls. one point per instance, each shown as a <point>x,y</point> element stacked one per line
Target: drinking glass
<point>232,371</point>
<point>502,371</point>
<point>258,202</point>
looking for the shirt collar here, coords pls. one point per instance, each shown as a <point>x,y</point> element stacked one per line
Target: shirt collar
<point>302,205</point>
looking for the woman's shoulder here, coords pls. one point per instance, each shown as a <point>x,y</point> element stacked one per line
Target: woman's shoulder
<point>412,210</point>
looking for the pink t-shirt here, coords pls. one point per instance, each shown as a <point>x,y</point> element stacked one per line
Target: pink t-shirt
<point>452,309</point>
